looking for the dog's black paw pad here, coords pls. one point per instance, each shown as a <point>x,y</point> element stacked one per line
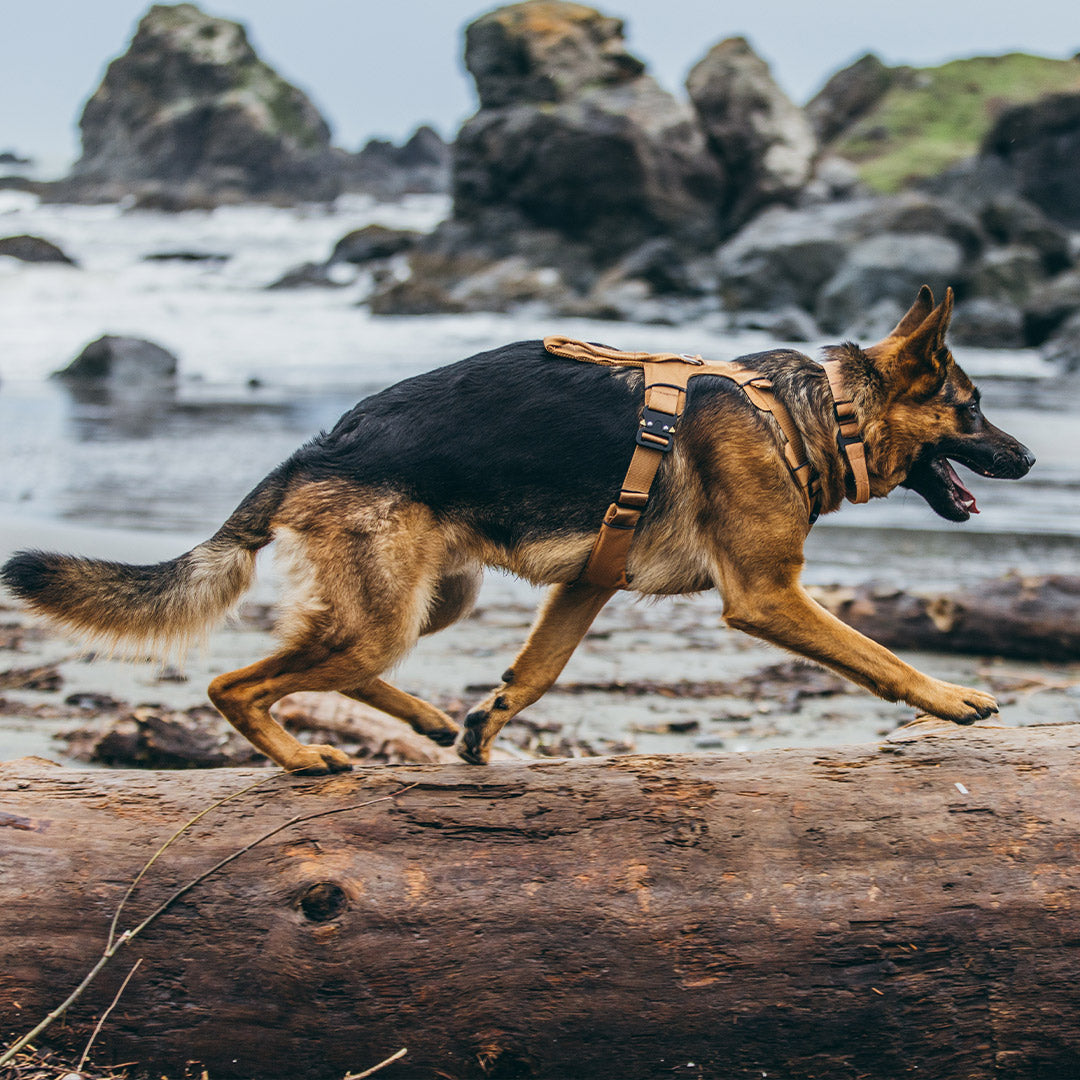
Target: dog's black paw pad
<point>476,719</point>
<point>443,738</point>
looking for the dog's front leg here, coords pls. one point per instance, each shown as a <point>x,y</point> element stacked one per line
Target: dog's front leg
<point>565,616</point>
<point>784,614</point>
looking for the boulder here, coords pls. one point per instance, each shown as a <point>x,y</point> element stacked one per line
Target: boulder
<point>664,267</point>
<point>784,324</point>
<point>448,284</point>
<point>1009,219</point>
<point>784,257</point>
<point>371,243</point>
<point>1008,273</point>
<point>787,256</point>
<point>889,266</point>
<point>987,324</point>
<point>848,95</point>
<point>655,283</point>
<point>874,322</point>
<point>1040,142</point>
<point>763,141</point>
<point>190,106</point>
<point>913,212</point>
<point>1063,348</point>
<point>545,52</point>
<point>1050,306</point>
<point>308,275</point>
<point>572,137</point>
<point>187,255</point>
<point>121,360</point>
<point>33,249</point>
<point>388,171</point>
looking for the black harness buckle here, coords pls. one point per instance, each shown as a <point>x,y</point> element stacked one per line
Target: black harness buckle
<point>656,430</point>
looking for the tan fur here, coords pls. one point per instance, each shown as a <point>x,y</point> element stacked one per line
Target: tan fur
<point>98,609</point>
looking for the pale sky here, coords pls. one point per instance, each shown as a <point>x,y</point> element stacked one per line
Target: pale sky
<point>380,67</point>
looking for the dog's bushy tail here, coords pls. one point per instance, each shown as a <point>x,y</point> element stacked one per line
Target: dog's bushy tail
<point>157,608</point>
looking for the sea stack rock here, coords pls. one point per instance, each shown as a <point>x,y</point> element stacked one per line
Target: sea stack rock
<point>763,140</point>
<point>191,108</point>
<point>573,136</point>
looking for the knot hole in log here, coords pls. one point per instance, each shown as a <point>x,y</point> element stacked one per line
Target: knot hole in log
<point>323,901</point>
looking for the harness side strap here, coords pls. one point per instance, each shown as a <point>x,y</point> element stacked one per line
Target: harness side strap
<point>665,396</point>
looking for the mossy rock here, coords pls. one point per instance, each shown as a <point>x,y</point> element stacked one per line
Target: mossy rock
<point>931,118</point>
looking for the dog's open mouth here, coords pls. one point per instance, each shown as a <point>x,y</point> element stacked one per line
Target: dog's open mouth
<point>936,481</point>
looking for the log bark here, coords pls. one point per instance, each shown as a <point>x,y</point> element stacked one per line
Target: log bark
<point>889,910</point>
<point>1028,618</point>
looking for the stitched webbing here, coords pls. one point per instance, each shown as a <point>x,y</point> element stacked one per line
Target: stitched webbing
<point>849,438</point>
<point>666,379</point>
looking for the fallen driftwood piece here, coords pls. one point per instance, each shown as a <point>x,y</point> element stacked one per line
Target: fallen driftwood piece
<point>1030,618</point>
<point>148,736</point>
<point>883,910</point>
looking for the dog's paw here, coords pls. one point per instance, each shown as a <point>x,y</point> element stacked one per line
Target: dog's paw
<point>470,745</point>
<point>317,760</point>
<point>960,704</point>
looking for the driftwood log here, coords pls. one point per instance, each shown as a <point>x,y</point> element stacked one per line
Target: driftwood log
<point>888,910</point>
<point>1028,618</point>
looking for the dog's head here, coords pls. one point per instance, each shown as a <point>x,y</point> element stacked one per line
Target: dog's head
<point>929,415</point>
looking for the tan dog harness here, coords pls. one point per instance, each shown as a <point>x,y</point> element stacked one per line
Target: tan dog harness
<point>666,378</point>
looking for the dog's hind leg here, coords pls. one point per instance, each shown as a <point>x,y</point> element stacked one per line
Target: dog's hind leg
<point>566,614</point>
<point>364,573</point>
<point>244,698</point>
<point>454,597</point>
<point>422,717</point>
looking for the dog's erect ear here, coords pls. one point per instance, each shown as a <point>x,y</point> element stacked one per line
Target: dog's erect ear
<point>929,338</point>
<point>913,358</point>
<point>916,316</point>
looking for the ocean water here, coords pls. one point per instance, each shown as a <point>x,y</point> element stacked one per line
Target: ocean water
<point>262,370</point>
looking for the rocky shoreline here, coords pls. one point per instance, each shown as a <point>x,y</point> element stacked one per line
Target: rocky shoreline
<point>665,678</point>
<point>581,187</point>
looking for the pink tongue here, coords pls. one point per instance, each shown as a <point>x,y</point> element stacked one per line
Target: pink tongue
<point>966,497</point>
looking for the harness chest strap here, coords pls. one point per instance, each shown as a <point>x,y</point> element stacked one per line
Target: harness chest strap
<point>666,378</point>
<point>848,438</point>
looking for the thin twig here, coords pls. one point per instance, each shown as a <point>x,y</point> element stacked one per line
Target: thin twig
<point>298,820</point>
<point>114,943</point>
<point>168,843</point>
<point>105,1016</point>
<point>375,1068</point>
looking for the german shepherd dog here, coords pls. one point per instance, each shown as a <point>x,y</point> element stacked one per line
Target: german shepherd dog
<point>509,459</point>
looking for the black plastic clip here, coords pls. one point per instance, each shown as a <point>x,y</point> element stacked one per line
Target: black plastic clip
<point>656,430</point>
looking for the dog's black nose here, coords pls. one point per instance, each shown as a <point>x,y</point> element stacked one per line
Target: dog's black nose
<point>1028,456</point>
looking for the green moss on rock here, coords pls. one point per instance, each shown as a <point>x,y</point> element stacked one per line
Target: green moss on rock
<point>932,118</point>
